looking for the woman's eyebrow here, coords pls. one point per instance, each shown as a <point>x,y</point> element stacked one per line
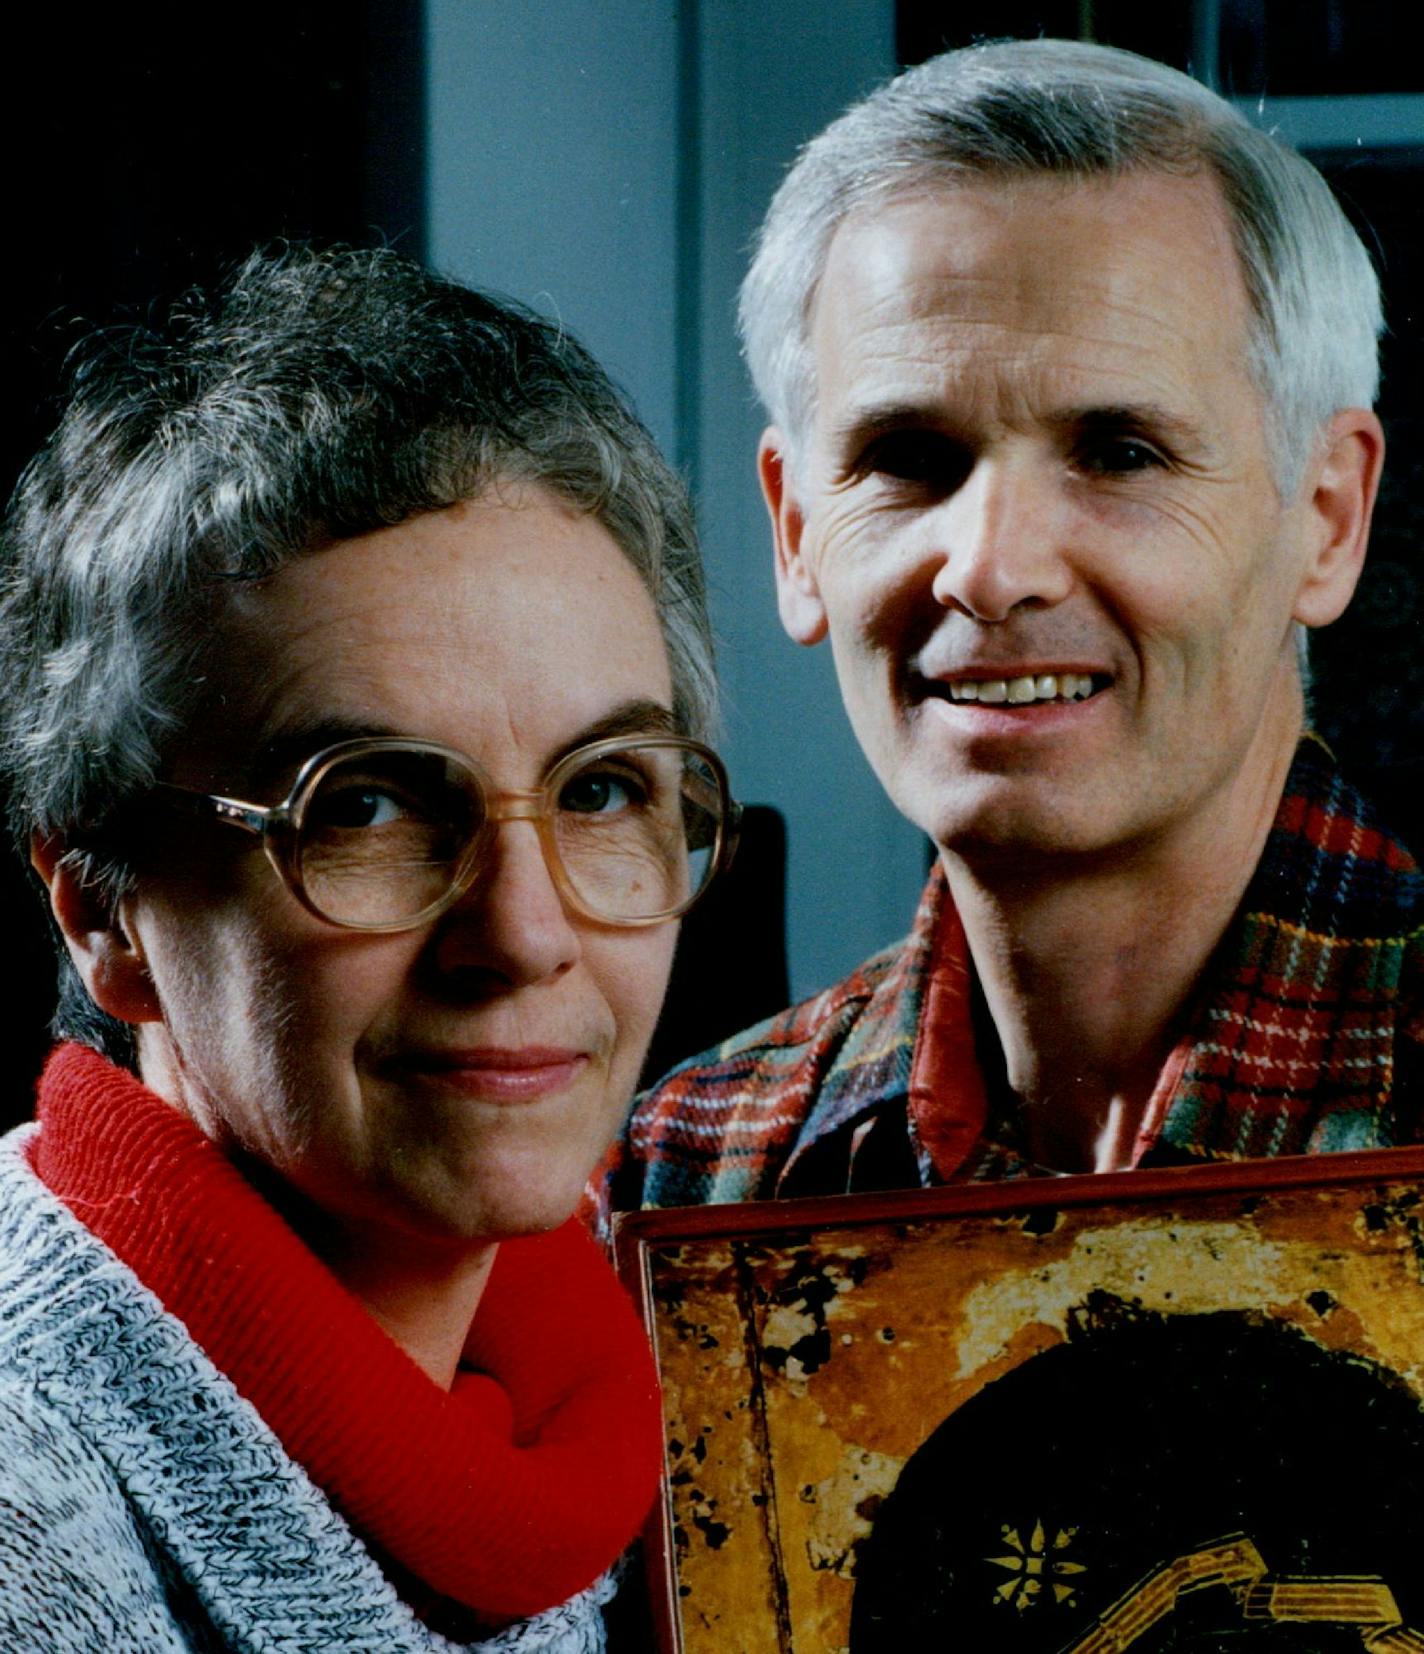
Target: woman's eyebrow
<point>279,758</point>
<point>635,717</point>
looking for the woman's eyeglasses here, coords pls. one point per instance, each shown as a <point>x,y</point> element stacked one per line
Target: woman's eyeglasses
<point>385,834</point>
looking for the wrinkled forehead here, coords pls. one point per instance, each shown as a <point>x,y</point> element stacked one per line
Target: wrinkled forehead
<point>1117,277</point>
<point>498,627</point>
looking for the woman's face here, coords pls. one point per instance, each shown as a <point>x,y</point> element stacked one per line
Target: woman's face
<point>461,1079</point>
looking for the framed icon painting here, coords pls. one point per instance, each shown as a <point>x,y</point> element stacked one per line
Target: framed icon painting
<point>1137,1412</point>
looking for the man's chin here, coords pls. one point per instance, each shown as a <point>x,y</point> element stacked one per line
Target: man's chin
<point>1017,824</point>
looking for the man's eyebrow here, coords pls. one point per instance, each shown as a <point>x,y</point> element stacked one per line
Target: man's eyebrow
<point>1150,418</point>
<point>861,425</point>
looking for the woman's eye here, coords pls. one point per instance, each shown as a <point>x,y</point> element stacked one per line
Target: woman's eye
<point>356,807</point>
<point>600,792</point>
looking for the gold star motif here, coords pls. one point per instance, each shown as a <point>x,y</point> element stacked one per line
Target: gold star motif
<point>1034,1565</point>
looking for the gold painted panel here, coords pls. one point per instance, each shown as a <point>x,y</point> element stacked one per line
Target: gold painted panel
<point>805,1367</point>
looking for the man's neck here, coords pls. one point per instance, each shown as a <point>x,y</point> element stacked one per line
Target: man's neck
<point>1089,970</point>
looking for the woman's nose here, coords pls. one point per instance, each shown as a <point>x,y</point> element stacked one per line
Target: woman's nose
<point>511,923</point>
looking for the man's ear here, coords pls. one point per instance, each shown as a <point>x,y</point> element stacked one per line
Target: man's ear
<point>1339,506</point>
<point>105,953</point>
<point>798,597</point>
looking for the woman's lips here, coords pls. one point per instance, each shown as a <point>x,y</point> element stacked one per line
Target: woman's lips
<point>499,1074</point>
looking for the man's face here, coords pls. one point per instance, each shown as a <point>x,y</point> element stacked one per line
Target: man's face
<point>1036,517</point>
<point>457,1080</point>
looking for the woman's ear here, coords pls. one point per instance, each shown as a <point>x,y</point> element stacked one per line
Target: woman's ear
<point>108,957</point>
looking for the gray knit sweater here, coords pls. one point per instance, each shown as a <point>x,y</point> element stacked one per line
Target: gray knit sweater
<point>145,1508</point>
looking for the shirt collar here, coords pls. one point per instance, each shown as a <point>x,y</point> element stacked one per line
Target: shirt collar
<point>872,1069</point>
<point>1288,1050</point>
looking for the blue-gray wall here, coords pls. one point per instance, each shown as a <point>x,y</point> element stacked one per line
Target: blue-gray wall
<point>608,163</point>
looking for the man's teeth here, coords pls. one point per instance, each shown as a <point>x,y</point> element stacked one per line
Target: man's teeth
<point>1048,686</point>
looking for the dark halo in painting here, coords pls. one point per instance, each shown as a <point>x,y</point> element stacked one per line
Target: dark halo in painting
<point>1140,1441</point>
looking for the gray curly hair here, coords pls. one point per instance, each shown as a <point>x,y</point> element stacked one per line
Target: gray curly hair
<point>1059,107</point>
<point>314,396</point>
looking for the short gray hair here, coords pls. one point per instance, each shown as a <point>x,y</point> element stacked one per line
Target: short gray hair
<point>315,396</point>
<point>1062,108</point>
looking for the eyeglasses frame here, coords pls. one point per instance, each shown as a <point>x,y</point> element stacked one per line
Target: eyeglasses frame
<point>279,826</point>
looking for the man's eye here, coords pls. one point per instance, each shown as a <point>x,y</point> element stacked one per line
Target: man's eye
<point>924,458</point>
<point>1118,456</point>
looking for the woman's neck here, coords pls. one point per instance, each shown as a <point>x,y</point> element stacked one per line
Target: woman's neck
<point>423,1295</point>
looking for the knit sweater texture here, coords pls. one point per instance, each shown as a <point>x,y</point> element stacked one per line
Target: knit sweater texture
<point>144,1505</point>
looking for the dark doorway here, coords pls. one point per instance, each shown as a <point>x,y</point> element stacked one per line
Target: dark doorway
<point>148,148</point>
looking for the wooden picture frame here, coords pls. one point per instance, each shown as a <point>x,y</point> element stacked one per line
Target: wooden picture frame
<point>1066,1416</point>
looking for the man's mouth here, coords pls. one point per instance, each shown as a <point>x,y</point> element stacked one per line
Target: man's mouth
<point>1020,691</point>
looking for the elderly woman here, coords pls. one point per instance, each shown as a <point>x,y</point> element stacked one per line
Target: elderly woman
<point>354,659</point>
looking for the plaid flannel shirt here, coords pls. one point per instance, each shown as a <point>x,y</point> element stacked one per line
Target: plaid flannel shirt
<point>1305,1037</point>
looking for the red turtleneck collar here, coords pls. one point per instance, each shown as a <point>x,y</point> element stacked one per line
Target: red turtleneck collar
<point>510,1493</point>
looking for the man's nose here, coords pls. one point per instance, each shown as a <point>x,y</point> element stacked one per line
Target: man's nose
<point>511,923</point>
<point>1001,542</point>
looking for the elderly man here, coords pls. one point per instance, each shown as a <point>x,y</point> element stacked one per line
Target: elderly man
<point>1069,371</point>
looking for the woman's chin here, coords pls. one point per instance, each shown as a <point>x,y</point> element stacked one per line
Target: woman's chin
<point>498,1205</point>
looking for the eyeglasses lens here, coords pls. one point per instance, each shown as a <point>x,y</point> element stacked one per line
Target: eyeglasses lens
<point>385,836</point>
<point>636,829</point>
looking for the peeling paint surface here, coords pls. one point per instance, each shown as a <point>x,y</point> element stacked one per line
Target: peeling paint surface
<point>801,1371</point>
